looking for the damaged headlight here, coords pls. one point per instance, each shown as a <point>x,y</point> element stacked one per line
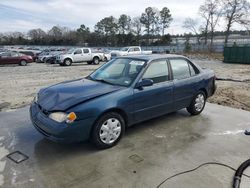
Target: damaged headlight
<point>63,117</point>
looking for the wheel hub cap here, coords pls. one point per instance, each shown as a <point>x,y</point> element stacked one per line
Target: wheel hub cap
<point>110,131</point>
<point>199,102</point>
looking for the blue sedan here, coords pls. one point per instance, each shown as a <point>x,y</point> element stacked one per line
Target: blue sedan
<point>122,92</point>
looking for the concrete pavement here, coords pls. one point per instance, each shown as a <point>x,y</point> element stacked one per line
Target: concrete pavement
<point>148,153</point>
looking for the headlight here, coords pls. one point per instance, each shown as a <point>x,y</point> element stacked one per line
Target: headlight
<point>61,117</point>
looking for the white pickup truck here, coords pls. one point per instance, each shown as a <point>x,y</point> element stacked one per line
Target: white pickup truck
<point>130,50</point>
<point>77,55</point>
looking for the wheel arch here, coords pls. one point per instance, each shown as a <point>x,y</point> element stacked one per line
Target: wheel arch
<point>68,58</point>
<point>204,90</point>
<point>116,110</point>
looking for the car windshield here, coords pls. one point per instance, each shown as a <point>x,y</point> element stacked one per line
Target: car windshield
<point>118,72</point>
<point>70,51</point>
<point>124,49</point>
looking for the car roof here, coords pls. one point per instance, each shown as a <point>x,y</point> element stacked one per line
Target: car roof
<point>152,57</point>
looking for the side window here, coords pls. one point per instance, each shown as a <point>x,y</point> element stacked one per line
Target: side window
<point>157,71</point>
<point>14,54</point>
<point>7,54</point>
<point>180,68</point>
<point>136,49</point>
<point>193,70</point>
<point>78,51</point>
<point>85,51</point>
<point>131,49</point>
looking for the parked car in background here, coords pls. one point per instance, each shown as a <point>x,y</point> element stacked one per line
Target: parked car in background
<point>122,92</point>
<point>15,58</point>
<point>52,57</point>
<point>33,53</point>
<point>130,50</point>
<point>106,53</point>
<point>41,57</point>
<point>77,55</point>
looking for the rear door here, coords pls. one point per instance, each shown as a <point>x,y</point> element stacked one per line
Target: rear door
<point>186,81</point>
<point>5,58</point>
<point>157,99</point>
<point>87,55</point>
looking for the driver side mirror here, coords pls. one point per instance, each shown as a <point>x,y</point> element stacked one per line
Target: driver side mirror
<point>144,83</point>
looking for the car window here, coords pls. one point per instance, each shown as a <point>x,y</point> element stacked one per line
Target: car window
<point>119,71</point>
<point>131,49</point>
<point>78,51</point>
<point>14,54</point>
<point>192,72</point>
<point>85,51</point>
<point>157,71</point>
<point>193,69</point>
<point>136,49</point>
<point>5,54</point>
<point>183,69</point>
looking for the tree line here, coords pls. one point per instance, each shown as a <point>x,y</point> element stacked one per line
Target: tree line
<point>109,31</point>
<point>147,29</point>
<point>212,13</point>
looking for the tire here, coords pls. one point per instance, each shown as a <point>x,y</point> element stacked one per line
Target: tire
<point>23,63</point>
<point>96,60</point>
<point>89,62</point>
<point>108,130</point>
<point>67,62</point>
<point>198,103</point>
<point>105,59</point>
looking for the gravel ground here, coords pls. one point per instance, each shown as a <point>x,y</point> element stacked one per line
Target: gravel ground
<point>229,93</point>
<point>19,84</point>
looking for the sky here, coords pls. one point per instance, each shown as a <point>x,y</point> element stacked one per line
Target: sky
<point>23,15</point>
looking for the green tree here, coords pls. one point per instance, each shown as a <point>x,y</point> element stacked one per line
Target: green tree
<point>124,23</point>
<point>147,19</point>
<point>108,27</point>
<point>165,18</point>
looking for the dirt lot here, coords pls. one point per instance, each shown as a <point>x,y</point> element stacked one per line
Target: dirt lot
<point>19,84</point>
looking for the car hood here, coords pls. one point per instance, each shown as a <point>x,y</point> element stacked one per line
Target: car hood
<point>64,95</point>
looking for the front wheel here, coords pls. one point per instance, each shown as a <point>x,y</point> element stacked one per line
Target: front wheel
<point>67,62</point>
<point>23,63</point>
<point>108,130</point>
<point>198,103</point>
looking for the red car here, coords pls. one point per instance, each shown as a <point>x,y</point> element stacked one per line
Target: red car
<point>15,58</point>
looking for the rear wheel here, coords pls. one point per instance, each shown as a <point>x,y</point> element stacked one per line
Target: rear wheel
<point>67,62</point>
<point>108,130</point>
<point>198,103</point>
<point>96,61</point>
<point>23,63</point>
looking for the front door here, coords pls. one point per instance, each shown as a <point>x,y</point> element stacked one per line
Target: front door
<point>78,55</point>
<point>157,99</point>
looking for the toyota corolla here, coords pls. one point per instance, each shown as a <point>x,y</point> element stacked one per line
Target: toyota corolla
<point>122,92</point>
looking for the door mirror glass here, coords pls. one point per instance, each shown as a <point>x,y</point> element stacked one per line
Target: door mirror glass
<point>144,83</point>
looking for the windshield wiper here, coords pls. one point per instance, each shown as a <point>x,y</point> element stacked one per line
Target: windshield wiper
<point>104,81</point>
